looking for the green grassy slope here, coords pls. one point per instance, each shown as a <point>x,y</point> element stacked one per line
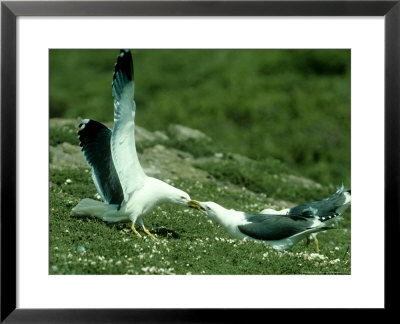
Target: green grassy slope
<point>188,242</point>
<point>291,105</point>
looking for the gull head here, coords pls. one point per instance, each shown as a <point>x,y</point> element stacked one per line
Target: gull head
<point>179,197</point>
<point>209,208</point>
<point>162,192</point>
<point>228,218</point>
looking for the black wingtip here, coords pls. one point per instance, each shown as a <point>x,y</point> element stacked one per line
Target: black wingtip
<point>124,65</point>
<point>88,130</point>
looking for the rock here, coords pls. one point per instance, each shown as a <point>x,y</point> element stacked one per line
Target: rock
<point>66,155</point>
<point>279,204</point>
<point>143,135</point>
<point>182,133</point>
<point>68,148</point>
<point>169,163</point>
<point>60,122</point>
<point>304,182</point>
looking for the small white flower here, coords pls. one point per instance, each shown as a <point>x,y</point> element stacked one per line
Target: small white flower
<point>314,256</point>
<point>80,249</point>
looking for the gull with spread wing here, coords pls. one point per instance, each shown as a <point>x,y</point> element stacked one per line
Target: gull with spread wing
<point>128,193</point>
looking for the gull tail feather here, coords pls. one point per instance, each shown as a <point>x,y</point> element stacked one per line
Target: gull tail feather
<point>106,212</point>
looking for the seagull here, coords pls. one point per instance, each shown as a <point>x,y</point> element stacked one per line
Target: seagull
<point>280,232</point>
<point>335,204</point>
<point>128,193</point>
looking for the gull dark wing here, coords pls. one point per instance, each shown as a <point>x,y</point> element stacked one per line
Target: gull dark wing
<point>326,207</point>
<point>94,139</point>
<point>275,227</point>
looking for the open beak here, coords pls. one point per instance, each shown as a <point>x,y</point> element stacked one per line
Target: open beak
<point>195,204</point>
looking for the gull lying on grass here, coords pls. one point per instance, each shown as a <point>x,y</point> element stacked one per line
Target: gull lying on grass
<point>127,192</point>
<point>335,204</point>
<point>281,231</point>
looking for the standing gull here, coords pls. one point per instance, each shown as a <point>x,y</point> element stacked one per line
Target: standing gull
<point>279,231</point>
<point>128,193</point>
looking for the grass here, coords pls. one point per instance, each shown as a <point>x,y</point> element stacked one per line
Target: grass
<point>66,133</point>
<point>267,176</point>
<point>188,242</point>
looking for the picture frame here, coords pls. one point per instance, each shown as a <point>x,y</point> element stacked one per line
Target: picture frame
<point>10,10</point>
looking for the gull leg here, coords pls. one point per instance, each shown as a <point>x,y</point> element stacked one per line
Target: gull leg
<point>135,231</point>
<point>140,220</point>
<point>316,244</point>
<point>148,232</point>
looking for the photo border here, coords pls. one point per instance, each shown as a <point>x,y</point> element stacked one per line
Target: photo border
<point>10,10</point>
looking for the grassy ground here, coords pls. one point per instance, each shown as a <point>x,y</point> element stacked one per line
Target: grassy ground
<point>188,242</point>
<point>287,113</point>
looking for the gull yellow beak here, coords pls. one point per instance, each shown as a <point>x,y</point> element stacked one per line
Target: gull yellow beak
<point>195,204</point>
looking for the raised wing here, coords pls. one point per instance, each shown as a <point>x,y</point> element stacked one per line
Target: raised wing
<point>123,148</point>
<point>336,204</point>
<point>94,138</point>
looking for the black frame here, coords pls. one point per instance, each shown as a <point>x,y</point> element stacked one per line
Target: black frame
<point>10,10</point>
